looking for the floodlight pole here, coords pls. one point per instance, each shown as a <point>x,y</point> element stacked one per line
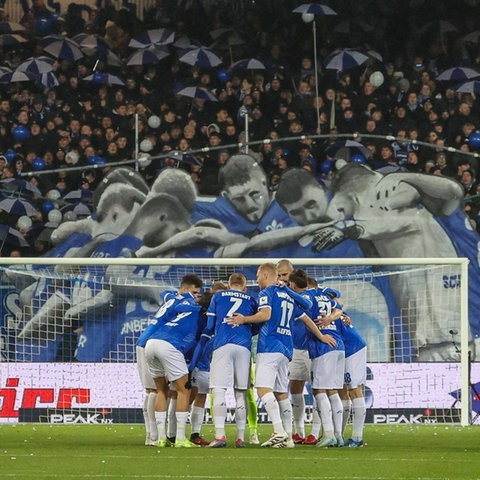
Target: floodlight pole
<point>136,142</point>
<point>307,18</point>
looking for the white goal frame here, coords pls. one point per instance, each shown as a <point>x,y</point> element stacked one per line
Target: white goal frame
<point>462,263</point>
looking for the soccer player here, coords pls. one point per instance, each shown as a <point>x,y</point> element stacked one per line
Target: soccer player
<point>189,290</point>
<point>201,381</point>
<point>230,366</point>
<point>355,376</point>
<point>327,369</point>
<point>278,307</point>
<point>301,364</point>
<point>165,353</point>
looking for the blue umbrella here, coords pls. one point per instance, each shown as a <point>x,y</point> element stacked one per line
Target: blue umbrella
<point>8,39</point>
<point>11,27</point>
<point>79,209</point>
<point>248,64</point>
<point>471,86</point>
<point>146,56</point>
<point>153,38</point>
<point>199,57</point>
<point>343,59</point>
<point>315,9</point>
<point>62,48</point>
<point>16,206</point>
<point>80,195</point>
<point>104,78</point>
<point>94,45</point>
<point>197,92</point>
<point>36,65</point>
<point>48,79</point>
<point>19,187</point>
<point>458,74</point>
<point>11,236</point>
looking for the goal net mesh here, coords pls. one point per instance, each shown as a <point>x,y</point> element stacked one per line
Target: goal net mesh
<point>72,328</point>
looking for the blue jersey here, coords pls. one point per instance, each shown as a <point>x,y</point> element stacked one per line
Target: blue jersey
<point>323,305</point>
<point>222,210</point>
<point>276,334</point>
<point>183,328</point>
<point>170,299</point>
<point>352,340</point>
<point>222,306</point>
<point>300,330</point>
<point>204,363</point>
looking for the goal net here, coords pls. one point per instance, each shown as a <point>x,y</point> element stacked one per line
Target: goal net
<point>68,333</point>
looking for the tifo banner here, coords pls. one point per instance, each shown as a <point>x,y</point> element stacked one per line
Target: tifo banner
<point>105,393</point>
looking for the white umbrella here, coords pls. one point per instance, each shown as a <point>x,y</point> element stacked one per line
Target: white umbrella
<point>343,59</point>
<point>153,38</point>
<point>199,57</point>
<point>146,56</point>
<point>62,48</point>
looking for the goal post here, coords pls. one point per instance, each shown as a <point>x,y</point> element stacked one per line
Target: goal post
<point>78,319</point>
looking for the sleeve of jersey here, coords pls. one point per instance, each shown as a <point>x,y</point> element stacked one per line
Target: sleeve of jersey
<point>305,303</point>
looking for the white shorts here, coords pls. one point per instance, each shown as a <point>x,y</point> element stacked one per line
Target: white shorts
<point>328,370</point>
<point>230,367</point>
<point>200,379</point>
<point>300,366</point>
<point>145,377</point>
<point>271,371</point>
<point>356,369</point>
<point>164,360</point>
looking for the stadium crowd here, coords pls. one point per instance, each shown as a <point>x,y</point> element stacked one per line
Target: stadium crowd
<point>63,139</point>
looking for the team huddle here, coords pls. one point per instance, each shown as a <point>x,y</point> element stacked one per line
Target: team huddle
<point>200,344</point>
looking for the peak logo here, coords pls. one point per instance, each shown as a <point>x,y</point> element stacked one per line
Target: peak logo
<point>396,419</point>
<point>79,417</point>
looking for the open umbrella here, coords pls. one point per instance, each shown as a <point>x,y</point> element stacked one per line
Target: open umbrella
<point>19,187</point>
<point>199,57</point>
<point>11,27</point>
<point>16,206</point>
<point>343,59</point>
<point>79,195</point>
<point>36,65</point>
<point>62,48</point>
<point>47,79</point>
<point>315,9</point>
<point>153,38</point>
<point>225,38</point>
<point>79,209</point>
<point>9,39</point>
<point>470,86</point>
<point>198,92</point>
<point>346,148</point>
<point>91,42</point>
<point>248,64</point>
<point>104,78</point>
<point>11,236</point>
<point>472,37</point>
<point>146,56</point>
<point>458,74</point>
<point>438,27</point>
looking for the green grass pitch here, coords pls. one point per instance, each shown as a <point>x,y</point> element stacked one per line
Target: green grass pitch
<point>39,451</point>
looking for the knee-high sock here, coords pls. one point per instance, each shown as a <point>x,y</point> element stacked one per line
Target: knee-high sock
<point>325,412</point>
<point>347,405</point>
<point>286,414</point>
<point>241,413</point>
<point>219,411</point>
<point>359,412</point>
<point>152,397</point>
<point>273,410</point>
<point>196,418</point>
<point>337,413</point>
<point>252,411</point>
<point>181,418</point>
<point>172,420</point>
<point>316,420</point>
<point>298,410</point>
<point>161,419</point>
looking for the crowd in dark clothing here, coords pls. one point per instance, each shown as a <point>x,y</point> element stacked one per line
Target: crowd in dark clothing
<point>96,124</point>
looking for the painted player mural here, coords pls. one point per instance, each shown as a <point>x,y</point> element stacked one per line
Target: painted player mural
<point>364,213</point>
